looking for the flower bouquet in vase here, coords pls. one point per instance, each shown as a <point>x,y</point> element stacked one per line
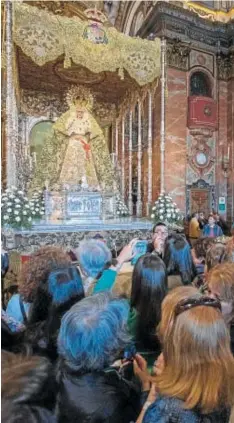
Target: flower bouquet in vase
<point>121,208</point>
<point>165,210</point>
<point>37,206</point>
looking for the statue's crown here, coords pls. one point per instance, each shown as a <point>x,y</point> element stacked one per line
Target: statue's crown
<point>80,96</point>
<point>95,15</point>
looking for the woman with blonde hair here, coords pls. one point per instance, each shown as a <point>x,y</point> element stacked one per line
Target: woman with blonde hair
<point>196,383</point>
<point>220,281</point>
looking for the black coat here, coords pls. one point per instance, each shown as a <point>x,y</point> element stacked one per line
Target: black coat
<point>97,397</point>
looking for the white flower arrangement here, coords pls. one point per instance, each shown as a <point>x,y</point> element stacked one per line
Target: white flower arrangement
<point>37,206</point>
<point>18,211</point>
<point>13,207</point>
<point>121,208</point>
<point>165,210</point>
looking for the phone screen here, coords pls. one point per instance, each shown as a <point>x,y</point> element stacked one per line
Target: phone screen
<point>140,247</point>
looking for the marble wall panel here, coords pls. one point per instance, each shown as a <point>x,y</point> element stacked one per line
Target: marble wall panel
<point>175,142</point>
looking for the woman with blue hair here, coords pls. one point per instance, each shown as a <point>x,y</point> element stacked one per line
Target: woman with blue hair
<point>95,260</point>
<point>92,336</point>
<point>53,298</point>
<point>178,260</point>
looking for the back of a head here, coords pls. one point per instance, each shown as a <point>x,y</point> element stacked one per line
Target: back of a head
<point>202,245</point>
<point>93,256</point>
<point>196,342</point>
<point>221,279</point>
<point>216,254</point>
<point>178,258</point>
<point>64,284</point>
<point>26,382</point>
<point>169,304</point>
<point>149,287</point>
<point>37,269</point>
<point>93,332</point>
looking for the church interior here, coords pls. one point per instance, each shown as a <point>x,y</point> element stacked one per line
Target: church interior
<point>117,153</point>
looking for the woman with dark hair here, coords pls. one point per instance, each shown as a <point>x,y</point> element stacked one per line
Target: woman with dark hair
<point>28,389</point>
<point>149,287</point>
<point>52,300</point>
<point>36,270</point>
<point>178,260</point>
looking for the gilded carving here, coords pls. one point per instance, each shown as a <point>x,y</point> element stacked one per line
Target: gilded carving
<point>177,55</point>
<point>41,103</point>
<point>225,65</point>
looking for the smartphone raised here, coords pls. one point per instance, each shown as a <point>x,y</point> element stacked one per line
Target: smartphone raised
<point>139,249</point>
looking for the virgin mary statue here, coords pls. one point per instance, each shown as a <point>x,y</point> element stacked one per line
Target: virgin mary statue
<point>76,151</point>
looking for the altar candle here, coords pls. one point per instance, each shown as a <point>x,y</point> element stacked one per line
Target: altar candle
<point>228,154</point>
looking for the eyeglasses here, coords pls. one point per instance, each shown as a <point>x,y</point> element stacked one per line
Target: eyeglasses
<point>189,303</point>
<point>164,233</point>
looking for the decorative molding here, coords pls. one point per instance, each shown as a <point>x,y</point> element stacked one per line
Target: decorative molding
<point>177,55</point>
<point>201,184</point>
<point>201,142</point>
<point>32,240</point>
<point>225,66</point>
<point>202,60</point>
<point>41,103</point>
<point>171,21</point>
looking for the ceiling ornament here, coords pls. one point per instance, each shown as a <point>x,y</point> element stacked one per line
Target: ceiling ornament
<point>45,37</point>
<point>95,31</point>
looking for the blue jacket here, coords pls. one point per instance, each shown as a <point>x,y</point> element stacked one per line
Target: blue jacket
<point>217,230</point>
<point>170,410</point>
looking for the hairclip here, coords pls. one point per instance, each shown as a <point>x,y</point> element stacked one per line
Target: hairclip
<point>192,302</point>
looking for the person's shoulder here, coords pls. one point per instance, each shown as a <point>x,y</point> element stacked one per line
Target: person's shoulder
<point>165,408</point>
<point>14,300</point>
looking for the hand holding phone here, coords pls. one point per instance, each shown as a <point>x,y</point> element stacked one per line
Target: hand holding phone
<point>139,249</point>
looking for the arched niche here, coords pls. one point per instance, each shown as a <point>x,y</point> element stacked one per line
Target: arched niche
<point>200,84</point>
<point>38,135</point>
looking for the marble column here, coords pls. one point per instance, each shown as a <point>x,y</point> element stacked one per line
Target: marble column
<point>149,201</point>
<point>139,156</point>
<point>123,161</point>
<point>10,96</point>
<point>130,205</point>
<point>117,140</point>
<point>162,129</point>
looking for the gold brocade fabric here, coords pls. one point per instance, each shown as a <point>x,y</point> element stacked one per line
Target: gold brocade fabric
<point>44,37</point>
<point>76,149</point>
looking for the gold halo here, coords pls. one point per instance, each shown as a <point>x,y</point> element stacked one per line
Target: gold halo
<point>79,95</point>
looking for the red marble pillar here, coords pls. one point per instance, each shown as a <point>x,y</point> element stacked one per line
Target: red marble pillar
<point>175,142</point>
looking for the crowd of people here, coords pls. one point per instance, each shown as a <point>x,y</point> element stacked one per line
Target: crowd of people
<point>212,227</point>
<point>162,351</point>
